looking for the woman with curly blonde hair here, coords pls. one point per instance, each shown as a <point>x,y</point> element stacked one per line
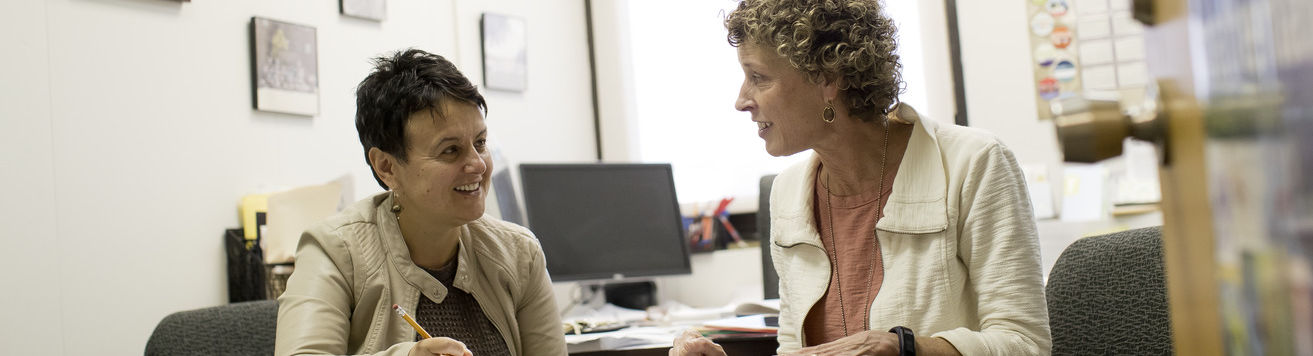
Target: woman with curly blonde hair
<point>901,235</point>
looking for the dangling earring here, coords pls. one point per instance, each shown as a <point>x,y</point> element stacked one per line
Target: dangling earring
<point>827,114</point>
<point>396,205</point>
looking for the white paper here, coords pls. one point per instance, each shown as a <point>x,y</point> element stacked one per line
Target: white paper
<point>1096,52</point>
<point>1083,197</point>
<point>1086,7</point>
<point>1040,189</point>
<point>743,323</point>
<point>1100,77</point>
<point>1132,74</point>
<point>1096,26</point>
<point>1123,24</point>
<point>1119,4</point>
<point>1130,49</point>
<point>1141,160</point>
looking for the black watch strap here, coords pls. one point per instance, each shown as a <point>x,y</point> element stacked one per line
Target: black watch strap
<point>906,341</point>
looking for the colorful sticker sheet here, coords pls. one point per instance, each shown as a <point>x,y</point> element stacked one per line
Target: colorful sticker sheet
<point>1085,47</point>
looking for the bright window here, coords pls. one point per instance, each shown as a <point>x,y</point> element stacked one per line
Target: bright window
<point>686,78</point>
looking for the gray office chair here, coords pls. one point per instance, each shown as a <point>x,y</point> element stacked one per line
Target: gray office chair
<point>245,328</point>
<point>1107,296</point>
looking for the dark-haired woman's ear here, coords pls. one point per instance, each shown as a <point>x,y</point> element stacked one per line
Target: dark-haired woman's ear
<point>384,165</point>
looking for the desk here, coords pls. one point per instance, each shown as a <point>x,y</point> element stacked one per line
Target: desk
<point>755,344</point>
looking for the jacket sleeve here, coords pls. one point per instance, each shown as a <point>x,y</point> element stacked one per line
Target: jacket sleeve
<point>540,321</point>
<point>314,311</point>
<point>1000,247</point>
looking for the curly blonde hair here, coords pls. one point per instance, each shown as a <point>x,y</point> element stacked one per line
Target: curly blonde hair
<point>850,39</point>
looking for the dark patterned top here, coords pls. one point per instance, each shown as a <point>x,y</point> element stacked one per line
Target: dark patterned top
<point>459,317</point>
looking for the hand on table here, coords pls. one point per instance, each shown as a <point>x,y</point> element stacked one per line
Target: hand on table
<point>691,343</point>
<point>866,343</point>
<point>440,346</point>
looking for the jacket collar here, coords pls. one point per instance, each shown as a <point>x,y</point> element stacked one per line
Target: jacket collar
<point>918,204</point>
<point>398,254</point>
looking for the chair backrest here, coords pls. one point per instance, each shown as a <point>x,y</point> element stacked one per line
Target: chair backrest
<point>1107,296</point>
<point>245,328</point>
<point>770,281</point>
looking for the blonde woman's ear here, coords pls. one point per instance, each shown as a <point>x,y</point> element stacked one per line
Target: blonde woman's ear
<point>830,86</point>
<point>895,116</point>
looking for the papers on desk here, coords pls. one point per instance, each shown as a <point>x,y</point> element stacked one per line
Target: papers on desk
<point>634,337</point>
<point>761,323</point>
<point>677,318</point>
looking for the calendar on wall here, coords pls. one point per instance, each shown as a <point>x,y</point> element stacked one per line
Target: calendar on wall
<point>1088,48</point>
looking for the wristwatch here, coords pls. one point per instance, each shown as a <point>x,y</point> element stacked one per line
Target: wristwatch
<point>906,341</point>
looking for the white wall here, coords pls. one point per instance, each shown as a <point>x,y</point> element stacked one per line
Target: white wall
<point>128,137</point>
<point>551,121</point>
<point>996,69</point>
<point>29,256</point>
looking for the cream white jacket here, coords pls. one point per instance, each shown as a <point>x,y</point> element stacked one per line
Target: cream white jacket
<point>961,256</point>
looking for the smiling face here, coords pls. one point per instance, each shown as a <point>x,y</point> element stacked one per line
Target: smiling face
<point>445,178</point>
<point>784,104</point>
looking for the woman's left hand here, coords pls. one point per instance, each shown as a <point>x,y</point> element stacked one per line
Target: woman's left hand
<point>866,343</point>
<point>692,343</point>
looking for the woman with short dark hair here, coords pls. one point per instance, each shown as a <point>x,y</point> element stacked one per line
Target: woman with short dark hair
<point>477,284</point>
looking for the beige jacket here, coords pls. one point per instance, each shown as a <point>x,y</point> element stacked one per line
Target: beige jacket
<point>961,256</point>
<point>351,268</point>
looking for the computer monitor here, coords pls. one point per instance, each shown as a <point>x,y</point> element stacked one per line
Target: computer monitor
<point>605,221</point>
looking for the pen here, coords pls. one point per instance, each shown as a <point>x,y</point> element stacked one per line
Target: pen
<point>413,324</point>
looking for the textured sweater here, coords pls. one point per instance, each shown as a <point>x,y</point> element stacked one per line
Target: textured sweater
<point>458,316</point>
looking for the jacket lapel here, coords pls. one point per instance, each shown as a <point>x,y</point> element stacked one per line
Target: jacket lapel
<point>791,206</point>
<point>918,204</point>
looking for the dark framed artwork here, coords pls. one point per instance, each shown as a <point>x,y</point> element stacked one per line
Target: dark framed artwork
<point>284,67</point>
<point>376,10</point>
<point>505,62</point>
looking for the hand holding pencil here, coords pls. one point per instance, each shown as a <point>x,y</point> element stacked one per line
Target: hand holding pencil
<point>429,345</point>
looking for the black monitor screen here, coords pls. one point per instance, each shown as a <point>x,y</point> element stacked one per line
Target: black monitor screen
<point>602,221</point>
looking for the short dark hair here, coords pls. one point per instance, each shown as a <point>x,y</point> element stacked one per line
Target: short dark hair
<point>402,84</point>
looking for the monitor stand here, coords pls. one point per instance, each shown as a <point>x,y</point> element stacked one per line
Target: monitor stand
<point>633,295</point>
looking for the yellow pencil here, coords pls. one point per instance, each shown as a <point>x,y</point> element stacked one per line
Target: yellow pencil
<point>413,324</point>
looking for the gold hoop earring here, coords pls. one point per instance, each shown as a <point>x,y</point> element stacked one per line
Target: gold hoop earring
<point>827,114</point>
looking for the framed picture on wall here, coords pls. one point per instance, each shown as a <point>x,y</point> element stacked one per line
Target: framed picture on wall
<point>365,9</point>
<point>284,67</point>
<point>505,63</point>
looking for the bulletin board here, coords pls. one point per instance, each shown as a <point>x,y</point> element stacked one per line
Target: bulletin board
<point>1091,48</point>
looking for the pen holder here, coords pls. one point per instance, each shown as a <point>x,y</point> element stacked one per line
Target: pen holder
<point>706,239</point>
<point>246,270</point>
<point>249,278</point>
